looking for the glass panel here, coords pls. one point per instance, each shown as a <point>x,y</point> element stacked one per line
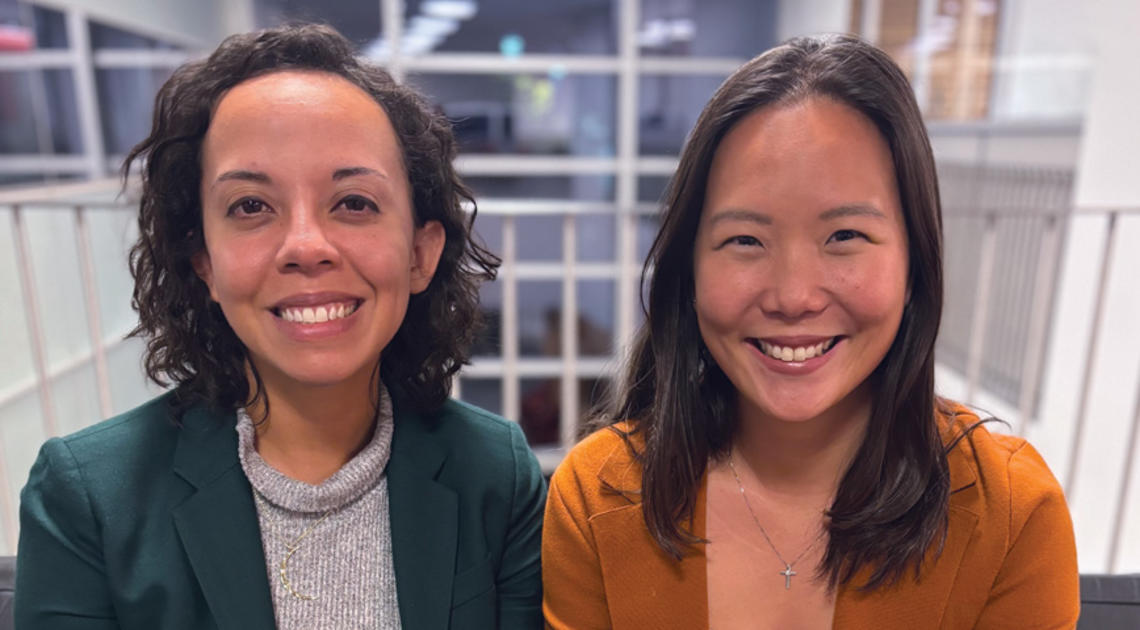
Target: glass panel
<point>668,108</point>
<point>647,226</point>
<point>111,234</point>
<point>576,187</point>
<point>539,237</point>
<point>540,311</point>
<point>15,346</point>
<point>358,20</point>
<point>489,227</point>
<point>21,433</point>
<point>488,341</point>
<point>25,98</point>
<point>126,104</point>
<point>129,386</point>
<point>51,240</point>
<point>485,393</point>
<point>535,114</point>
<point>595,317</point>
<point>596,237</point>
<point>541,408</point>
<point>511,27</point>
<point>75,395</point>
<point>51,29</point>
<point>708,28</point>
<point>651,188</point>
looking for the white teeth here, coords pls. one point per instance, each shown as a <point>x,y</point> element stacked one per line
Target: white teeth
<point>784,353</point>
<point>317,314</point>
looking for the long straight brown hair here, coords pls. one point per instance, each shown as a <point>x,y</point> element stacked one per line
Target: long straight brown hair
<point>892,502</point>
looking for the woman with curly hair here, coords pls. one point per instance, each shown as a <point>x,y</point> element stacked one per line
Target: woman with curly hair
<point>779,457</point>
<point>307,282</point>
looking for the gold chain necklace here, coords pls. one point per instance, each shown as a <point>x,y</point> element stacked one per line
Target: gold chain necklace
<point>291,547</point>
<point>787,572</point>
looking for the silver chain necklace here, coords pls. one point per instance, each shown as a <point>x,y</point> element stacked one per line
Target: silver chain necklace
<point>291,547</point>
<point>787,572</point>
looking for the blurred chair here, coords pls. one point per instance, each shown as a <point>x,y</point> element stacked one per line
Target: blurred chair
<point>1110,602</point>
<point>7,590</point>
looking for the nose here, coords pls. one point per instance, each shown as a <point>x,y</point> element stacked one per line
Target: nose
<point>795,287</point>
<point>306,247</point>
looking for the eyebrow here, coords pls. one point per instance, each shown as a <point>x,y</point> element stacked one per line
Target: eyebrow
<point>354,171</point>
<point>258,176</point>
<point>244,176</point>
<point>736,214</point>
<point>852,210</point>
<point>838,212</point>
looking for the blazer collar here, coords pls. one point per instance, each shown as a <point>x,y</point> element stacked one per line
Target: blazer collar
<point>218,522</point>
<point>424,515</point>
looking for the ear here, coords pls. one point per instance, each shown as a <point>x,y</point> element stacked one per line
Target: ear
<point>205,270</point>
<point>427,247</point>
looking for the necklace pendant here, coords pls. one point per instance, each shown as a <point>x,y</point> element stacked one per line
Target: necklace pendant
<point>787,573</point>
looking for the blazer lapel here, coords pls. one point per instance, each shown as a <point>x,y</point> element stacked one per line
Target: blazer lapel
<point>924,604</point>
<point>218,524</point>
<point>656,591</point>
<point>424,515</point>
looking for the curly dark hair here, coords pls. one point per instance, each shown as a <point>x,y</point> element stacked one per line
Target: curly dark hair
<point>189,343</point>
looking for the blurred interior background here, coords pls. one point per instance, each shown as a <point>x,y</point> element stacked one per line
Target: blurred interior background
<point>570,115</point>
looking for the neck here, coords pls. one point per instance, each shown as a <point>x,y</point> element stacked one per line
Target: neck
<point>803,459</point>
<point>311,432</point>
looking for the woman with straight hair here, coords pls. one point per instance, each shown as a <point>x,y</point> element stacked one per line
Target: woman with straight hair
<point>306,280</point>
<point>778,457</point>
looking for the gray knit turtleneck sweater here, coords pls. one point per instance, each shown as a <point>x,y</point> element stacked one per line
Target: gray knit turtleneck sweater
<point>345,563</point>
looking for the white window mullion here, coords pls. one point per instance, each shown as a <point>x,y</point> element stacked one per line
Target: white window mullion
<point>569,405</point>
<point>510,323</point>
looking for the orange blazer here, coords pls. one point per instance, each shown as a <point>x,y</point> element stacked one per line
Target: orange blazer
<point>1009,562</point>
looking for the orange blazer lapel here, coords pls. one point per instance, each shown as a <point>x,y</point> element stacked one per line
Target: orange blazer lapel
<point>645,587</point>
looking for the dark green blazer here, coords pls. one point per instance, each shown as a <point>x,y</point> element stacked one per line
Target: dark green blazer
<point>138,523</point>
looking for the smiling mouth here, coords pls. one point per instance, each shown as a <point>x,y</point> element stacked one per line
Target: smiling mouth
<point>318,313</point>
<point>791,354</point>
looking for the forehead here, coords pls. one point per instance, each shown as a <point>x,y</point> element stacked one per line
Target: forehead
<point>807,156</point>
<point>297,114</point>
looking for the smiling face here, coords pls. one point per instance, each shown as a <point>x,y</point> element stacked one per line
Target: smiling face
<point>800,259</point>
<point>311,247</point>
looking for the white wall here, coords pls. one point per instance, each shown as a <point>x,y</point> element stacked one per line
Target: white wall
<point>1046,50</point>
<point>809,17</point>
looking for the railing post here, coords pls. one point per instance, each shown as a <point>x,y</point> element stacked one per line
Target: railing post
<point>510,322</point>
<point>1038,320</point>
<point>981,307</point>
<point>32,315</point>
<point>569,384</point>
<point>1091,356</point>
<point>94,323</point>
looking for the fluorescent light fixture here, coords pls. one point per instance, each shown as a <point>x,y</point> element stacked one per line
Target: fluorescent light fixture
<point>450,9</point>
<point>682,30</point>
<point>433,26</point>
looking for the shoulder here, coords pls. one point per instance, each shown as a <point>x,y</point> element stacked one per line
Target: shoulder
<point>1000,478</point>
<point>480,448</point>
<point>602,471</point>
<point>134,439</point>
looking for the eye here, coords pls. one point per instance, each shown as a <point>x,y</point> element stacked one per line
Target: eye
<point>247,206</point>
<point>743,240</point>
<point>847,235</point>
<point>357,204</point>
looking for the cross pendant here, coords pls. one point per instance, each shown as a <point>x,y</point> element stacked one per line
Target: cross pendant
<point>787,573</point>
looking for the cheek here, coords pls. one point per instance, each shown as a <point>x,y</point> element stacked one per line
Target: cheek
<point>724,294</point>
<point>874,293</point>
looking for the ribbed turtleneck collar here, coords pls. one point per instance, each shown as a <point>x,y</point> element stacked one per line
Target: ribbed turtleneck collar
<point>356,477</point>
